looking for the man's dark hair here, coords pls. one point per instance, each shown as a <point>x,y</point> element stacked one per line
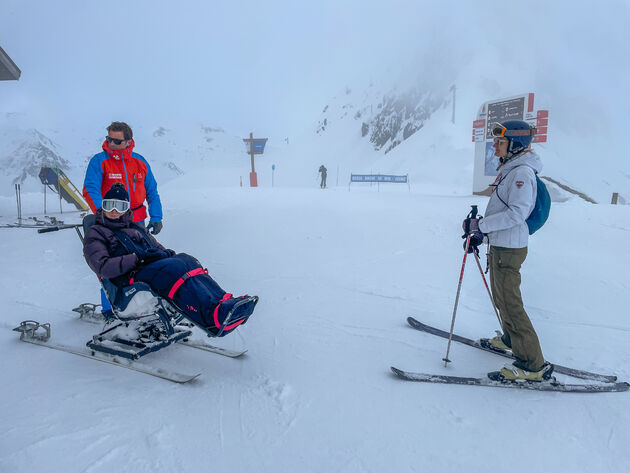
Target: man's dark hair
<point>121,126</point>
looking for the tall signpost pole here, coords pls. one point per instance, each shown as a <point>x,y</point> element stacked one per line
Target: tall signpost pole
<point>253,178</point>
<point>255,146</point>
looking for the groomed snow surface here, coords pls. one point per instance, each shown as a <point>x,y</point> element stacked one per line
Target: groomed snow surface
<point>337,273</point>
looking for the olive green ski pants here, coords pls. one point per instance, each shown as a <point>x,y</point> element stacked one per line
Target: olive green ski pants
<point>518,331</point>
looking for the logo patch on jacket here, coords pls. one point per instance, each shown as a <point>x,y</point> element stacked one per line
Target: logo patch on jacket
<point>111,175</point>
<point>519,184</point>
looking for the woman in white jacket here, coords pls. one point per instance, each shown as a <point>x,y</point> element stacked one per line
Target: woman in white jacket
<point>511,202</point>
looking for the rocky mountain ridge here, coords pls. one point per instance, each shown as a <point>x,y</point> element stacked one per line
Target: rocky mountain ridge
<point>385,119</point>
<point>27,153</point>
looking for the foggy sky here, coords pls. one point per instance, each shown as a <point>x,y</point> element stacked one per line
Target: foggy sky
<point>272,65</point>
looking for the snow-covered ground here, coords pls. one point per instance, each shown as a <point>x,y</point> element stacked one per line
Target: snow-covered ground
<point>337,273</point>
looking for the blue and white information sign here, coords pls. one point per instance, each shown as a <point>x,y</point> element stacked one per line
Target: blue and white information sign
<point>259,146</point>
<point>377,178</point>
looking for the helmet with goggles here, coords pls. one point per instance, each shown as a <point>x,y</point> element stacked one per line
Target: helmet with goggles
<point>518,132</point>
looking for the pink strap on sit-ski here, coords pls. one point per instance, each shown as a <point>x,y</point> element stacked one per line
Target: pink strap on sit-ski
<point>180,281</point>
<point>226,296</point>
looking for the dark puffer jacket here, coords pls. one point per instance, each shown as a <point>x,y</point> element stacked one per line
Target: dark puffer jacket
<point>104,253</point>
<point>198,296</point>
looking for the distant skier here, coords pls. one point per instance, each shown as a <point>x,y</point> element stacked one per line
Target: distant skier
<point>512,200</point>
<point>120,251</point>
<point>118,163</point>
<point>324,173</point>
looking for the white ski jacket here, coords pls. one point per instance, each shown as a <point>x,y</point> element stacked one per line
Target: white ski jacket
<point>504,222</point>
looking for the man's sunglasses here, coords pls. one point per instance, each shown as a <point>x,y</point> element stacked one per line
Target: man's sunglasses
<point>111,204</point>
<point>114,140</point>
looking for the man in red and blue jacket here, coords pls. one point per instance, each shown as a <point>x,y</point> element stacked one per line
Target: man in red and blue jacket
<point>118,163</point>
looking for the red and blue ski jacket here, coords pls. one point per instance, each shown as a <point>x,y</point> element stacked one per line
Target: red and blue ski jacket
<point>133,171</point>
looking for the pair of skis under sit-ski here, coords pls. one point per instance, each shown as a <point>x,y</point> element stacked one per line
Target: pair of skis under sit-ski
<point>39,334</point>
<point>87,313</point>
<point>609,382</point>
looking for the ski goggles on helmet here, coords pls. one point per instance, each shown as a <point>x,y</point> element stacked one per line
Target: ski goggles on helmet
<point>499,131</point>
<point>119,205</point>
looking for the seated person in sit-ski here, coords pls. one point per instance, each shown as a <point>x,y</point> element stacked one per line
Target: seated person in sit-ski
<point>123,252</point>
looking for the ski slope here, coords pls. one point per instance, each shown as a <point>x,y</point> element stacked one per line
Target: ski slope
<point>337,273</point>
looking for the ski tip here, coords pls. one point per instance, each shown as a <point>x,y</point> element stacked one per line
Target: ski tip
<point>415,323</point>
<point>396,371</point>
<point>235,354</point>
<point>185,379</point>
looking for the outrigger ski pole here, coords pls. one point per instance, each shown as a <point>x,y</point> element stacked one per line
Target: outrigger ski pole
<point>62,227</point>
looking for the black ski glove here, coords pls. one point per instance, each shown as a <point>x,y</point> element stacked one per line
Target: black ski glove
<point>154,227</point>
<point>471,227</point>
<point>151,255</point>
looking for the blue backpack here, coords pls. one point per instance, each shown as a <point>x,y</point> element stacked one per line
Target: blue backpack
<point>540,212</point>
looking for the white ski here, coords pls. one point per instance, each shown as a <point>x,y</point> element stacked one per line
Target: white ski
<point>30,333</point>
<point>213,349</point>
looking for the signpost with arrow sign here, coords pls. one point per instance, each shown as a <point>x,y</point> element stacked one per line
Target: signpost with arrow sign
<point>254,146</point>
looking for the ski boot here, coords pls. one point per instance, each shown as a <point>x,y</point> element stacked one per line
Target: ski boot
<point>495,343</point>
<point>514,372</point>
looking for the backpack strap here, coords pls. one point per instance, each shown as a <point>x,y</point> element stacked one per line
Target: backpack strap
<point>496,188</point>
<point>143,232</point>
<point>127,242</point>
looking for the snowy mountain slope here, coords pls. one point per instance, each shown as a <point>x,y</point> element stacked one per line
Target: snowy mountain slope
<point>337,273</point>
<point>171,152</point>
<point>24,154</point>
<point>389,126</point>
<point>386,119</point>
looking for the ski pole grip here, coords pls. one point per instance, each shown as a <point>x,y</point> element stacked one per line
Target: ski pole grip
<point>474,211</point>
